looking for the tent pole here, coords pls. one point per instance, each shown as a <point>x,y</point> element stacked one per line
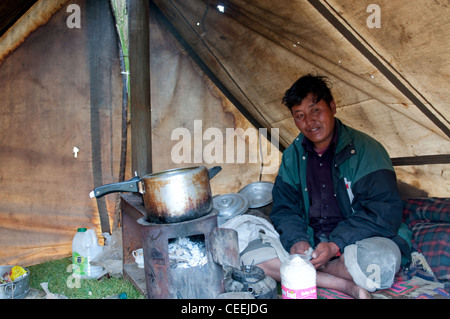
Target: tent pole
<point>421,160</point>
<point>140,107</point>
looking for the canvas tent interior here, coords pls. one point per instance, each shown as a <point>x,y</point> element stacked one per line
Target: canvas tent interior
<point>67,123</point>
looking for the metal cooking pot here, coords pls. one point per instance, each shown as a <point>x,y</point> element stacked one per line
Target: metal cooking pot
<point>170,196</point>
<point>18,289</point>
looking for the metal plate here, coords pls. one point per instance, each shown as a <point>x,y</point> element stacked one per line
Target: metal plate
<point>230,205</point>
<point>258,194</point>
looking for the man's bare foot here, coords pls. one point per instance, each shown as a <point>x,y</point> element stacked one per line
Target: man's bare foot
<point>348,287</point>
<point>323,279</point>
<point>358,292</point>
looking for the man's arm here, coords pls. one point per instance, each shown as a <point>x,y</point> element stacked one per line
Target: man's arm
<point>377,209</point>
<point>287,214</point>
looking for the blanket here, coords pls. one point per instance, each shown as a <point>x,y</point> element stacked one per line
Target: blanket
<point>415,288</point>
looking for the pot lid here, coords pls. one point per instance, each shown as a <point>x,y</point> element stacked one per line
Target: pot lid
<point>230,205</point>
<point>258,194</point>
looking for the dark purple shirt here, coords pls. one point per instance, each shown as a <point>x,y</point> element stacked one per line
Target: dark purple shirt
<point>324,212</point>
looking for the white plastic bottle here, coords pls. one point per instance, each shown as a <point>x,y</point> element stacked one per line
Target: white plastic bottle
<point>298,278</point>
<point>85,248</point>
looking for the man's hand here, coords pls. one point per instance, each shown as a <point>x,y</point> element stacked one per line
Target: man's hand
<point>323,253</point>
<point>300,248</point>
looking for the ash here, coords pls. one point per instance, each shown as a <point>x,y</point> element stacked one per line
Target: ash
<point>186,253</point>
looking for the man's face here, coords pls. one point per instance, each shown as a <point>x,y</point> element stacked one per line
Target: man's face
<point>315,120</point>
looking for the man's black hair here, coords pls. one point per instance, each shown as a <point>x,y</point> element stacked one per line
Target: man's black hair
<point>317,85</point>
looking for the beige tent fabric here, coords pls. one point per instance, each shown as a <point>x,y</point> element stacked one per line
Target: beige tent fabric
<point>255,49</point>
<point>46,110</point>
<point>258,48</point>
<point>38,15</point>
<point>413,39</point>
<point>185,100</point>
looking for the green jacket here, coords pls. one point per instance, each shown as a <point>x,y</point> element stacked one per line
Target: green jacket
<point>365,186</point>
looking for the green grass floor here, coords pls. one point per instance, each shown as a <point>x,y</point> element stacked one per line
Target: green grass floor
<point>58,275</point>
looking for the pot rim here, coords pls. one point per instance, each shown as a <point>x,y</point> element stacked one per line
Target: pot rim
<point>174,171</point>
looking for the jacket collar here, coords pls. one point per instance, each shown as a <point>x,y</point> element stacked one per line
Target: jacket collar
<point>344,148</point>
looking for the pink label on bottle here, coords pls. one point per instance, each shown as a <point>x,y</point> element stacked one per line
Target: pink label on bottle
<point>306,293</point>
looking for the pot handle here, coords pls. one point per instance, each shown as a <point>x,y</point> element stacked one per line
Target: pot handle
<point>213,171</point>
<point>131,185</point>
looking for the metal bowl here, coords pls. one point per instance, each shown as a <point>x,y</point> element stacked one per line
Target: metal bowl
<point>16,289</point>
<point>258,194</point>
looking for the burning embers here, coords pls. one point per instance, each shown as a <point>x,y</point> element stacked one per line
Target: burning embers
<point>178,259</point>
<point>186,252</point>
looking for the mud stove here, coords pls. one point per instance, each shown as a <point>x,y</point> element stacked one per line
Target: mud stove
<point>178,257</point>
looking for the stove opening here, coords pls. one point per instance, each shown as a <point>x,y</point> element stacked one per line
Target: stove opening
<point>187,252</point>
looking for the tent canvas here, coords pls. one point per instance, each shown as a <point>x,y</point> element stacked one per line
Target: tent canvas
<point>227,70</point>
